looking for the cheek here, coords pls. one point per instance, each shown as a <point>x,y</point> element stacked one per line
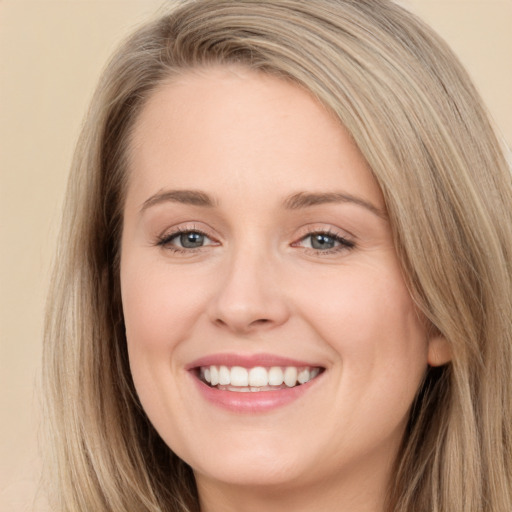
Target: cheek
<point>159,309</point>
<point>373,328</point>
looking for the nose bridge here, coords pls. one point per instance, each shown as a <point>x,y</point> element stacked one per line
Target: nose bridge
<point>249,294</point>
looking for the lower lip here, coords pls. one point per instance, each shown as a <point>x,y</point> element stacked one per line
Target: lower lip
<point>253,401</point>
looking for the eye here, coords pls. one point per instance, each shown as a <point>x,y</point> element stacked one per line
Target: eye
<point>190,239</point>
<point>322,241</point>
<point>325,242</point>
<point>180,240</point>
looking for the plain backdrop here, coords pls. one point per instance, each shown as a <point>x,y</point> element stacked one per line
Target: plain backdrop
<point>51,54</point>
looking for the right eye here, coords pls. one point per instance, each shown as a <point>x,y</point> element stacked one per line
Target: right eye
<point>182,240</point>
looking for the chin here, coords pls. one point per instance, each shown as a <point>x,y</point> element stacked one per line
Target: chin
<point>256,464</point>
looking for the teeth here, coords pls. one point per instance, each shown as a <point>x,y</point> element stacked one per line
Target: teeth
<point>224,376</point>
<point>275,376</point>
<point>290,376</point>
<point>238,378</point>
<point>303,376</point>
<point>258,377</point>
<point>214,375</point>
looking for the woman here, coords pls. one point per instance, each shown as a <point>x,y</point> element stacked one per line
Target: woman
<point>285,272</point>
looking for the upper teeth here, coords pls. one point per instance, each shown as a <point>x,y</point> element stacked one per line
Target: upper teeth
<point>257,377</point>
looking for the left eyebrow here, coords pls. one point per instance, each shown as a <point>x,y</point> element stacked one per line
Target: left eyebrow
<point>307,199</point>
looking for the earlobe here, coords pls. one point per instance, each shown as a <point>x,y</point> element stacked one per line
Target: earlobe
<point>439,351</point>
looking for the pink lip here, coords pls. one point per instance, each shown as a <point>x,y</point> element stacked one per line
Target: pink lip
<point>247,361</point>
<point>252,402</point>
<point>249,402</point>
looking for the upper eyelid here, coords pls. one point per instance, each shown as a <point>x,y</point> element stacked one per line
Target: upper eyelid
<point>319,228</point>
<point>185,228</point>
<point>339,238</point>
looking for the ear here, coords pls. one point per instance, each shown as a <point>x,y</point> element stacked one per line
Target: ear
<point>439,351</point>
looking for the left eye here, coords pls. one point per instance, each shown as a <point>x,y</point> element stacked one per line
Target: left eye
<point>325,241</point>
<point>191,240</point>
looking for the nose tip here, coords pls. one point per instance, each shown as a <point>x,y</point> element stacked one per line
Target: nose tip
<point>250,297</point>
<point>241,311</point>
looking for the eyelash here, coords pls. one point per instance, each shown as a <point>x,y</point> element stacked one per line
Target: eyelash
<point>344,243</point>
<point>165,241</point>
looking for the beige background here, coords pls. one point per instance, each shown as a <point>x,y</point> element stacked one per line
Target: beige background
<point>51,53</point>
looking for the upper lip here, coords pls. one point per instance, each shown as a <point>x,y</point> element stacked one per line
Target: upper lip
<point>248,361</point>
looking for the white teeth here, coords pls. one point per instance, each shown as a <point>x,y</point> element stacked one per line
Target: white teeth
<point>224,376</point>
<point>258,377</point>
<point>303,376</point>
<point>290,376</point>
<point>214,375</point>
<point>275,376</point>
<point>238,378</point>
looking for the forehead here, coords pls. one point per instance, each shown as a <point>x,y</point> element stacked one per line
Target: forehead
<point>232,127</point>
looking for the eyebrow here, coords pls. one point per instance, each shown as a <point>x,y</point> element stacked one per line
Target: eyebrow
<point>192,197</point>
<point>296,201</point>
<point>306,200</point>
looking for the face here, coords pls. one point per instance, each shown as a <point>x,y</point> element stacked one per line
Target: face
<point>271,337</point>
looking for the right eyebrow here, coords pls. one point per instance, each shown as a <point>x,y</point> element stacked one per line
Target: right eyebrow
<point>306,200</point>
<point>192,197</point>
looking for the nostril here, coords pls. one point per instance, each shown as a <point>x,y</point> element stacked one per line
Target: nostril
<point>260,321</point>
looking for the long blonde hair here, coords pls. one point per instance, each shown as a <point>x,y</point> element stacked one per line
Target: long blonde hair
<point>414,114</point>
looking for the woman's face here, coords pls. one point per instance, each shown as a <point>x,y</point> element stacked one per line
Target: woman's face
<point>256,248</point>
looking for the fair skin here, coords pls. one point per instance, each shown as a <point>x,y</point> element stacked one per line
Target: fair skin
<point>278,254</point>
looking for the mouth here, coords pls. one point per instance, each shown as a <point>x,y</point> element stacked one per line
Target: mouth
<point>253,383</point>
<point>257,378</point>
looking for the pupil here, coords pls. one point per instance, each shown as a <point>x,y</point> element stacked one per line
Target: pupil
<point>191,240</point>
<point>322,242</point>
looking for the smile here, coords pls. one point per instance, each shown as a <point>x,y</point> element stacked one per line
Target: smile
<point>253,383</point>
<point>258,378</point>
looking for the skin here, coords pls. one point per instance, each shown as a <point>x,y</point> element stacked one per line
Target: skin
<point>258,285</point>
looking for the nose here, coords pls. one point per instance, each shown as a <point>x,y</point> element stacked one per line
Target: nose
<point>250,295</point>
